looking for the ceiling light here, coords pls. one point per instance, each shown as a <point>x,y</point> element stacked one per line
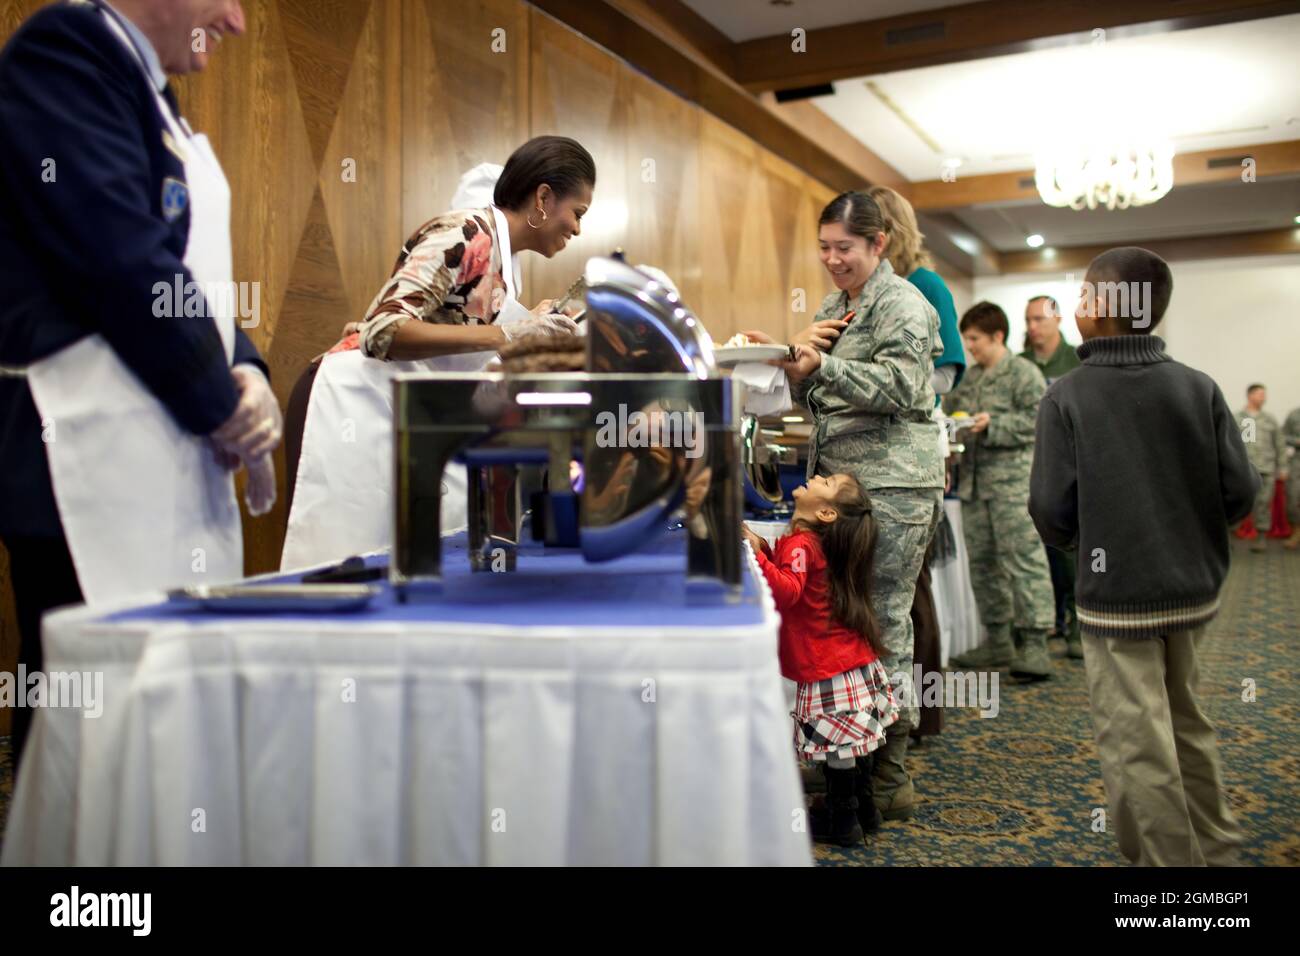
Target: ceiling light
<point>1034,241</point>
<point>1112,177</point>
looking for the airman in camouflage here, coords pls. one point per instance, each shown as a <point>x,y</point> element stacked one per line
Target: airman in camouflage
<point>872,404</point>
<point>1008,566</point>
<point>1266,448</point>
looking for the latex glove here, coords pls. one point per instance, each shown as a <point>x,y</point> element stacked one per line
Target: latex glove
<point>255,427</point>
<point>259,491</point>
<point>224,459</point>
<point>550,322</point>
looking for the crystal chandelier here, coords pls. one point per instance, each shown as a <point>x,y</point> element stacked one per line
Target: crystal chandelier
<point>1113,178</point>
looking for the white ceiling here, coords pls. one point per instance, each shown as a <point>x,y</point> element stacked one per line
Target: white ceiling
<point>1207,209</point>
<point>744,20</point>
<point>1220,86</point>
<point>1226,85</point>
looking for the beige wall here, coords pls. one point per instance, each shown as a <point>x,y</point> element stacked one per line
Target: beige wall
<point>1238,320</point>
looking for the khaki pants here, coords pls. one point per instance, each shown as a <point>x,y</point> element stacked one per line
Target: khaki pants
<point>1158,755</point>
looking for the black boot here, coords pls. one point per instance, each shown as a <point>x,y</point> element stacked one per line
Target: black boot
<point>838,822</point>
<point>868,813</point>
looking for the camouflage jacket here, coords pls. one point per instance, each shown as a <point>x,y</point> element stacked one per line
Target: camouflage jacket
<point>1291,430</point>
<point>997,461</point>
<point>1267,450</point>
<point>871,400</point>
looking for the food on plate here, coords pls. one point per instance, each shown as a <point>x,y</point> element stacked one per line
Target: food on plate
<point>739,340</point>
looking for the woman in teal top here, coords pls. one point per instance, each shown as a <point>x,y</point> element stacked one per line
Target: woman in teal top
<point>910,260</point>
<point>908,257</point>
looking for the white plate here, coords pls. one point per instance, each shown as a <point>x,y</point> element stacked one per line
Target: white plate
<point>749,353</point>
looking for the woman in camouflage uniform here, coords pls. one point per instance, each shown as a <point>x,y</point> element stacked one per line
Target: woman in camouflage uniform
<point>863,369</point>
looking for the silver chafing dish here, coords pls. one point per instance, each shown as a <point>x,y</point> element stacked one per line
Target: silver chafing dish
<point>762,458</point>
<point>653,427</point>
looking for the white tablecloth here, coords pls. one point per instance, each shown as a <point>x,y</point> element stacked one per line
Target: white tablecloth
<point>954,602</point>
<point>227,743</point>
<point>959,620</point>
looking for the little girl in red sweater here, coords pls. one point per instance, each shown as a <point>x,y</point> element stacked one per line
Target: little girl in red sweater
<point>820,576</point>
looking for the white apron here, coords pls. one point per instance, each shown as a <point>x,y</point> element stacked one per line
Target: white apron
<point>143,505</point>
<point>343,498</point>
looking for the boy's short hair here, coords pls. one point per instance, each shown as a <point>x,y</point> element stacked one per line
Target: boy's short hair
<point>1133,264</point>
<point>987,318</point>
<point>1251,388</point>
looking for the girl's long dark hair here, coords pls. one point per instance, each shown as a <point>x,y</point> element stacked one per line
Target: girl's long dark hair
<point>849,543</point>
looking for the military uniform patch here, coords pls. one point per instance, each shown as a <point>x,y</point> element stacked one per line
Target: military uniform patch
<point>175,197</point>
<point>914,342</point>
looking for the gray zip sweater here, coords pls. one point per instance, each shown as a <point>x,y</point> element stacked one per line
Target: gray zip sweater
<point>1139,465</point>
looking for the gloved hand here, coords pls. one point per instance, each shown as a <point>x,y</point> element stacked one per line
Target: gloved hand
<point>224,459</point>
<point>259,491</point>
<point>254,429</point>
<point>549,322</point>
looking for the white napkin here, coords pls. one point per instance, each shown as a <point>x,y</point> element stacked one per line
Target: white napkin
<point>767,392</point>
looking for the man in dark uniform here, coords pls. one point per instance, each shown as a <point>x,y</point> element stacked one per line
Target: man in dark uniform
<point>93,214</point>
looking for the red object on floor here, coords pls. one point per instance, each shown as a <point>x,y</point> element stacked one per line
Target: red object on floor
<point>1281,527</point>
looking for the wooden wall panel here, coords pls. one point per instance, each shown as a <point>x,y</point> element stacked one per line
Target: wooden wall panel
<point>462,103</point>
<point>662,183</point>
<point>247,104</point>
<point>730,190</point>
<point>321,36</point>
<point>361,172</point>
<point>581,91</point>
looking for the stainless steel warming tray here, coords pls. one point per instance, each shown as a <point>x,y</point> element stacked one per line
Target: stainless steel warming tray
<point>603,460</point>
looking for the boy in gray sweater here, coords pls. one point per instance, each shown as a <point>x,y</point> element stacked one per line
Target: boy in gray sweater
<point>1139,469</point>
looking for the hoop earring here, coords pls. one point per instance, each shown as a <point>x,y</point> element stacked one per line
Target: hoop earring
<point>529,219</point>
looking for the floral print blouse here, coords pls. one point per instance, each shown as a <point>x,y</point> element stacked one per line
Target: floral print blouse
<point>448,272</point>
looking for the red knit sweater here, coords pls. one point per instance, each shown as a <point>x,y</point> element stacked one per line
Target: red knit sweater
<point>814,646</point>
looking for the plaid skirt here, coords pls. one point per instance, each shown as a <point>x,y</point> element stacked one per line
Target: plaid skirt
<point>846,714</point>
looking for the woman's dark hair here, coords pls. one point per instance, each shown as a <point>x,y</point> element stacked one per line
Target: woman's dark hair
<point>859,213</point>
<point>849,543</point>
<point>557,161</point>
<point>987,318</point>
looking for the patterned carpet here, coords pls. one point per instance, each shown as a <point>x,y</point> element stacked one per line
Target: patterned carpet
<point>1020,789</point>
